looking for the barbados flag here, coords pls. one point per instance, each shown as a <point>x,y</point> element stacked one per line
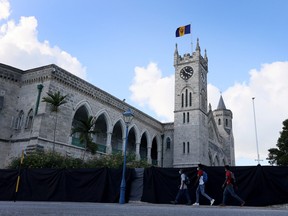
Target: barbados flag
<point>183,30</point>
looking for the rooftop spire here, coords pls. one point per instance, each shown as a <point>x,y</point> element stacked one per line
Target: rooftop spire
<point>198,46</point>
<point>176,50</point>
<point>205,55</point>
<point>221,104</point>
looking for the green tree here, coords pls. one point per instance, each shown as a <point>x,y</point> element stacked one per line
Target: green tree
<point>84,127</point>
<point>279,156</point>
<point>55,100</point>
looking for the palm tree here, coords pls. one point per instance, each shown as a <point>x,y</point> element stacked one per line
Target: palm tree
<point>84,127</point>
<point>55,100</point>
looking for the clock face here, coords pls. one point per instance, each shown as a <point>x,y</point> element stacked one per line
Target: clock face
<point>186,72</point>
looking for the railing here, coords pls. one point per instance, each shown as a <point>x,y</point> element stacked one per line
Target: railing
<point>76,142</point>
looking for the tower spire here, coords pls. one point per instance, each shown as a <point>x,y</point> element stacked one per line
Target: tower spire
<point>221,104</point>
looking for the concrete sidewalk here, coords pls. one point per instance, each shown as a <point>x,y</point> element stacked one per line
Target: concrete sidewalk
<point>132,208</point>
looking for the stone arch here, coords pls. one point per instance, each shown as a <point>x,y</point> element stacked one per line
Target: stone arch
<point>107,118</point>
<point>29,119</point>
<point>102,127</point>
<point>155,148</point>
<point>216,160</point>
<point>186,96</point>
<point>81,113</point>
<point>144,142</point>
<point>117,136</point>
<point>210,158</point>
<point>133,134</point>
<point>203,99</point>
<point>19,120</point>
<point>84,103</point>
<point>168,142</point>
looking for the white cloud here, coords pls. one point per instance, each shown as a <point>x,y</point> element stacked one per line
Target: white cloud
<point>4,9</point>
<point>270,89</point>
<point>150,89</point>
<point>268,86</point>
<point>21,48</point>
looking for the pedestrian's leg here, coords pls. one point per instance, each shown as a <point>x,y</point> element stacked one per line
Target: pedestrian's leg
<point>225,193</point>
<point>202,189</point>
<point>233,194</point>
<point>179,194</point>
<point>197,194</point>
<point>186,191</point>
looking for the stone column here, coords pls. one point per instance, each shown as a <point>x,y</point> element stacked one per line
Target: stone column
<point>123,144</point>
<point>108,143</point>
<point>149,160</point>
<point>137,151</point>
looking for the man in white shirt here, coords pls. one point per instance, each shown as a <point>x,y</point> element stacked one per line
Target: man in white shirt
<point>183,189</point>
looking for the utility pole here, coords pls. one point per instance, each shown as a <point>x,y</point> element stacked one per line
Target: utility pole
<point>258,156</point>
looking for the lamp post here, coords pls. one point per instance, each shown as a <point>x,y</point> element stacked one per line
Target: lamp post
<point>127,116</point>
<point>258,157</point>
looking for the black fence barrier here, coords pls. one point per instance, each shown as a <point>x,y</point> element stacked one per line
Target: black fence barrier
<point>257,185</point>
<point>74,185</point>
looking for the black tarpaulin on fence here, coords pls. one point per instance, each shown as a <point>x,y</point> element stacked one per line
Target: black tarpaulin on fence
<point>258,185</point>
<point>75,185</point>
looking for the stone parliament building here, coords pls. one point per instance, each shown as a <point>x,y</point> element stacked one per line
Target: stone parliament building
<point>197,135</point>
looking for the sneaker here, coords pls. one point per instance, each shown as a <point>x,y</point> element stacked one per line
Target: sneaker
<point>212,201</point>
<point>222,204</point>
<point>243,203</point>
<point>173,202</point>
<point>196,204</point>
<point>188,203</point>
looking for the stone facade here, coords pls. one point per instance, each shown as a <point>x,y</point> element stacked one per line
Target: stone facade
<point>27,123</point>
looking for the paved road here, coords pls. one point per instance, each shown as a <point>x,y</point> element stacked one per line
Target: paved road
<point>130,209</point>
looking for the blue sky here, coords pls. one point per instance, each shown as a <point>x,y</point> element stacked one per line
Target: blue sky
<point>126,48</point>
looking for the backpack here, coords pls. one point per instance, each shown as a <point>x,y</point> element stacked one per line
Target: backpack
<point>205,177</point>
<point>233,179</point>
<point>187,180</point>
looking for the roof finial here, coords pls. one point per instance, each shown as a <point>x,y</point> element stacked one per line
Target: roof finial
<point>205,55</point>
<point>198,46</point>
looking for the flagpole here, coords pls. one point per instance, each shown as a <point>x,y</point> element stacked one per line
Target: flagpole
<point>191,38</point>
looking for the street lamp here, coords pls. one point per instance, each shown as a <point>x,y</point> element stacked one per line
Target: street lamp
<point>127,116</point>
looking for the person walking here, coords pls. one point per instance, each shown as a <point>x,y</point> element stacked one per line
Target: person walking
<point>183,189</point>
<point>229,187</point>
<point>201,186</point>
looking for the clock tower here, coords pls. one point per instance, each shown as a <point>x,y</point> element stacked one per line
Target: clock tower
<point>190,111</point>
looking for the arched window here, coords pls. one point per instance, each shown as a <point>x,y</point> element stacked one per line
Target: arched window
<point>188,117</point>
<point>219,121</point>
<point>190,99</point>
<point>186,97</point>
<point>183,118</point>
<point>183,147</point>
<point>168,143</point>
<point>188,147</point>
<point>182,100</point>
<point>29,120</point>
<point>19,120</point>
<point>226,122</point>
